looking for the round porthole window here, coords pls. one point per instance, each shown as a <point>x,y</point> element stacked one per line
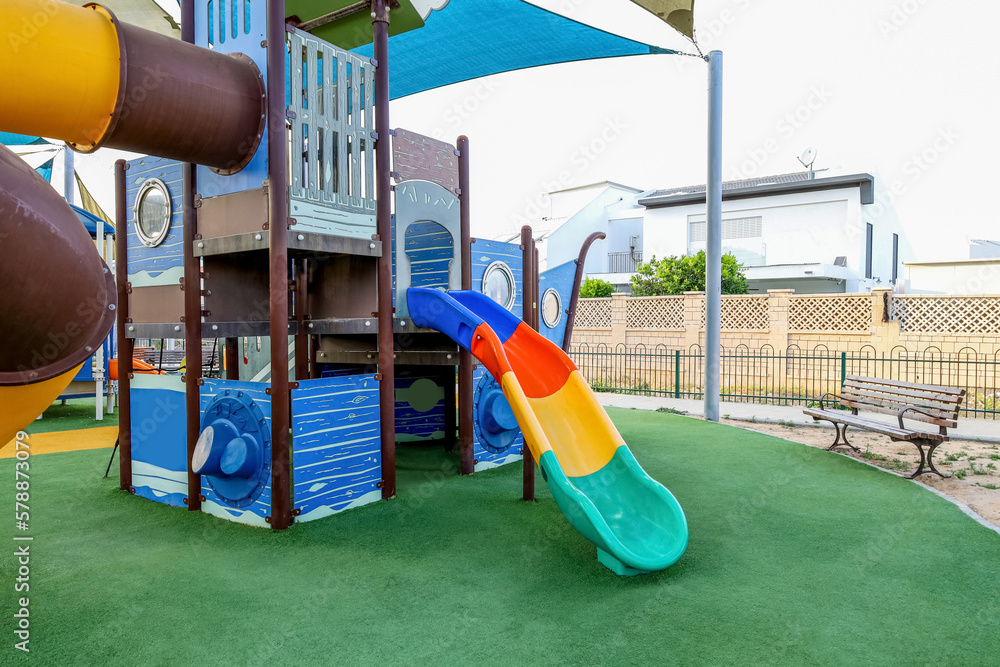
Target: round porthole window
<point>498,284</point>
<point>551,308</point>
<point>152,212</point>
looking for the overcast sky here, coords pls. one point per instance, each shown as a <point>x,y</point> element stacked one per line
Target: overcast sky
<point>904,89</point>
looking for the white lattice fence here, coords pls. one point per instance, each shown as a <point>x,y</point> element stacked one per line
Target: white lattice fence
<point>744,313</point>
<point>593,313</point>
<point>655,312</point>
<point>946,314</point>
<point>848,313</point>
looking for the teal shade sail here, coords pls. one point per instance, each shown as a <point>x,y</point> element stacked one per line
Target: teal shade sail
<point>468,39</point>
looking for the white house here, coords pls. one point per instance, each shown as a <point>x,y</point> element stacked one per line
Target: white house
<point>830,234</point>
<point>980,274</point>
<point>606,207</point>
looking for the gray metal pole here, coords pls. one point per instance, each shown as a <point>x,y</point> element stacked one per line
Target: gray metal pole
<point>69,176</point>
<point>713,246</point>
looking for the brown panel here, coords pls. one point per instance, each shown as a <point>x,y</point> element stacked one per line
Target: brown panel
<point>237,213</point>
<point>159,303</point>
<point>236,288</point>
<point>415,156</point>
<point>343,286</point>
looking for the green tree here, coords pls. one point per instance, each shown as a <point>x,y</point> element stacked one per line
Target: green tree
<point>676,275</point>
<point>595,287</point>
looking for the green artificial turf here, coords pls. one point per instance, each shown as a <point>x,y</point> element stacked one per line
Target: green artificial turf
<point>77,413</point>
<point>797,556</point>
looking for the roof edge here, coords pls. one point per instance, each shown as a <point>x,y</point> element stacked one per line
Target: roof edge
<point>865,182</point>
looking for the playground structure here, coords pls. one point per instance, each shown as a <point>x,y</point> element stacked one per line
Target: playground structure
<point>266,216</point>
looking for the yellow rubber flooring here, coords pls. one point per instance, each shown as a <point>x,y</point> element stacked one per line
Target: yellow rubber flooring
<point>65,441</point>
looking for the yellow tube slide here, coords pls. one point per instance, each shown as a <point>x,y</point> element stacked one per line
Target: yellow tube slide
<point>61,69</point>
<point>22,404</point>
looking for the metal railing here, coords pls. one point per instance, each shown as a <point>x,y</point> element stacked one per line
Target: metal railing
<point>623,262</point>
<point>790,377</point>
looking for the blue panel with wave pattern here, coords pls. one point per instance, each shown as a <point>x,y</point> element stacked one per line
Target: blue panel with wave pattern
<point>336,444</point>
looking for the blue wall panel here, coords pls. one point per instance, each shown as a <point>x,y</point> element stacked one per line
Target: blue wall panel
<point>485,253</point>
<point>213,504</point>
<point>146,266</point>
<point>560,279</point>
<point>159,438</point>
<point>419,405</point>
<point>227,27</point>
<point>336,446</point>
<point>486,459</point>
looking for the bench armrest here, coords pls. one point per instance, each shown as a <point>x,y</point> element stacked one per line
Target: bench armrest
<point>904,410</point>
<point>824,396</point>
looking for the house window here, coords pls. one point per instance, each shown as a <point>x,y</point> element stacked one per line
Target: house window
<point>895,257</point>
<point>734,228</point>
<point>742,237</point>
<point>868,250</point>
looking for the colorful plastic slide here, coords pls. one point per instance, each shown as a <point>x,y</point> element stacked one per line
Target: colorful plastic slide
<point>636,523</point>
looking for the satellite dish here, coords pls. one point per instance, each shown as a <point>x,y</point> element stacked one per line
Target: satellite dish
<point>808,157</point>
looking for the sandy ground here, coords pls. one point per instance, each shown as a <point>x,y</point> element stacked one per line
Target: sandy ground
<point>974,466</point>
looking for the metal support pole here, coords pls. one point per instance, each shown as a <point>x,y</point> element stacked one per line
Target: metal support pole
<point>577,281</point>
<point>383,213</point>
<point>277,157</point>
<point>301,337</point>
<point>529,273</point>
<point>466,447</point>
<point>99,358</point>
<point>124,342</point>
<point>713,246</point>
<point>69,173</point>
<point>232,358</point>
<point>192,301</point>
<point>450,408</point>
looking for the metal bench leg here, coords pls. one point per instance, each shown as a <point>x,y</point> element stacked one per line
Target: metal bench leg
<point>841,438</point>
<point>926,462</point>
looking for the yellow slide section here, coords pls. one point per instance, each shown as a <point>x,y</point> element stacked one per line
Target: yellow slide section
<point>60,68</point>
<point>23,403</point>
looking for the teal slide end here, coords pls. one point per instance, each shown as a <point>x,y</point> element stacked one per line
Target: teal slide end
<point>635,522</point>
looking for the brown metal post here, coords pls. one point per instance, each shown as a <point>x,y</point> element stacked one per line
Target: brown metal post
<point>383,213</point>
<point>528,298</point>
<point>125,343</point>
<point>192,301</point>
<point>534,288</point>
<point>277,156</point>
<point>577,281</point>
<point>466,446</point>
<point>232,357</point>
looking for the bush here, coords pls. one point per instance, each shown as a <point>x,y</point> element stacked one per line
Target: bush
<point>595,287</point>
<point>676,275</point>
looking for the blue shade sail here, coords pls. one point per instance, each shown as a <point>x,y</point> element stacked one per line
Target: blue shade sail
<point>468,39</point>
<point>45,169</point>
<point>12,139</point>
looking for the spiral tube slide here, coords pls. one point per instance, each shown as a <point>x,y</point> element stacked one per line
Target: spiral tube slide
<point>51,326</point>
<point>635,522</point>
<point>79,75</point>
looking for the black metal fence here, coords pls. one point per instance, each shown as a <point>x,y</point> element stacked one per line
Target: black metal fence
<point>791,377</point>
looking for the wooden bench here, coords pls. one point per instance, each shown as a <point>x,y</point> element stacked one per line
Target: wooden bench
<point>926,403</point>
